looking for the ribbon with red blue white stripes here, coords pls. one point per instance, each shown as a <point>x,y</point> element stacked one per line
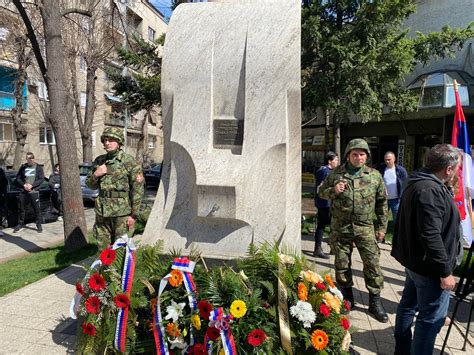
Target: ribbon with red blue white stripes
<point>127,281</point>
<point>186,266</point>
<point>221,321</point>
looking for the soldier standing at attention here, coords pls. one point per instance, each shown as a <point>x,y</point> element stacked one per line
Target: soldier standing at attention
<point>119,178</point>
<point>356,192</point>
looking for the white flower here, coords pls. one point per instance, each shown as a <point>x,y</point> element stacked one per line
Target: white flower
<point>286,259</point>
<point>304,313</point>
<point>178,342</point>
<point>337,293</point>
<point>346,342</point>
<point>174,311</point>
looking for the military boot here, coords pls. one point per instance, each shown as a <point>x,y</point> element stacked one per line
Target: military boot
<point>376,308</point>
<point>349,297</point>
<point>318,249</point>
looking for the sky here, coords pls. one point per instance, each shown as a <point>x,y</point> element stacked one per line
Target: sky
<point>163,6</point>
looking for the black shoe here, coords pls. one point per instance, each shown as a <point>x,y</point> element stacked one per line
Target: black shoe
<point>318,253</point>
<point>18,228</point>
<point>376,308</point>
<point>39,228</point>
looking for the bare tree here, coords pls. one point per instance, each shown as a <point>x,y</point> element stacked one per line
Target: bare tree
<point>61,111</point>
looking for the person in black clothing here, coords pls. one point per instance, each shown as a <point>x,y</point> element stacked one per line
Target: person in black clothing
<point>324,217</point>
<point>3,198</point>
<point>426,241</point>
<point>55,187</point>
<point>29,178</point>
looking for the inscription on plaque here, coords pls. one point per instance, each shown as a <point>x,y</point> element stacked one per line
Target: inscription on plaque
<point>228,133</point>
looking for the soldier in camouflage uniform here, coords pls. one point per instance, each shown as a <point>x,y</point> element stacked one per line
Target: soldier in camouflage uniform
<point>119,178</point>
<point>357,191</point>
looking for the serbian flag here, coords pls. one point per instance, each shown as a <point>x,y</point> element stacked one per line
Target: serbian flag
<point>460,139</point>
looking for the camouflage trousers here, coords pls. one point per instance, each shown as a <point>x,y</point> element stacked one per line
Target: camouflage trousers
<point>108,229</point>
<point>342,245</point>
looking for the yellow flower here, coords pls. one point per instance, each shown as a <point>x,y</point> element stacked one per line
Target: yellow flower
<point>196,321</point>
<point>311,276</point>
<point>238,308</point>
<point>332,301</point>
<point>319,339</point>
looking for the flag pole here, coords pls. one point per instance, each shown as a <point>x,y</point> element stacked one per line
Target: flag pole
<point>468,197</point>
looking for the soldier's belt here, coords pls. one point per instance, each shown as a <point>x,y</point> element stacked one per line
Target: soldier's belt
<point>361,217</point>
<point>113,194</point>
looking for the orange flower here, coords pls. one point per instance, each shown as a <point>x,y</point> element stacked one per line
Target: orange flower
<point>329,280</point>
<point>176,278</point>
<point>153,304</point>
<point>302,292</point>
<point>173,330</point>
<point>319,339</point>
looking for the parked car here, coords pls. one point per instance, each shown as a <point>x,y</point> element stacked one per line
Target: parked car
<point>13,203</point>
<point>87,193</point>
<point>152,176</point>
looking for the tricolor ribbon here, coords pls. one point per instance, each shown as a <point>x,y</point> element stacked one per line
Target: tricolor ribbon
<point>221,321</point>
<point>127,281</point>
<point>186,266</point>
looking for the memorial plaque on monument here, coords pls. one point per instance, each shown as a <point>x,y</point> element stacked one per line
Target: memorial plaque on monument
<point>231,107</point>
<point>228,133</point>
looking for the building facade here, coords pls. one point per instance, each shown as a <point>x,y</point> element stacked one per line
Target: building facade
<point>413,134</point>
<point>141,19</point>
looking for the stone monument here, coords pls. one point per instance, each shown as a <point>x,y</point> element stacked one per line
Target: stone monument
<point>231,107</point>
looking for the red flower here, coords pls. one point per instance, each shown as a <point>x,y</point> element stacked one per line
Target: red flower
<point>321,286</point>
<point>256,337</point>
<point>324,310</point>
<point>347,305</point>
<point>122,300</point>
<point>80,289</point>
<point>107,256</point>
<point>198,349</point>
<point>88,329</point>
<point>205,309</point>
<point>96,282</point>
<point>93,304</point>
<point>345,323</point>
<point>213,333</point>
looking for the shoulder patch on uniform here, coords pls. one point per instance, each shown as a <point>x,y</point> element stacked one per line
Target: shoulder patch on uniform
<point>139,178</point>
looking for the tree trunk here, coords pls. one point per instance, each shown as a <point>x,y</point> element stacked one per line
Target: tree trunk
<point>19,125</point>
<point>61,108</point>
<point>89,114</point>
<point>327,127</point>
<point>337,139</point>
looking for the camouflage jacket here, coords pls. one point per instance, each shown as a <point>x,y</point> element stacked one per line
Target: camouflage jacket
<point>121,189</point>
<point>364,194</point>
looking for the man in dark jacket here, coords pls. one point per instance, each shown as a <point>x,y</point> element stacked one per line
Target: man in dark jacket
<point>324,217</point>
<point>55,188</point>
<point>29,178</point>
<point>425,241</point>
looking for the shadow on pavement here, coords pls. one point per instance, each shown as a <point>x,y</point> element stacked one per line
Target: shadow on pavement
<point>65,334</point>
<point>19,241</point>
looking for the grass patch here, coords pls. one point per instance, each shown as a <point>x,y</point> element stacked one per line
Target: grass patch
<point>15,274</point>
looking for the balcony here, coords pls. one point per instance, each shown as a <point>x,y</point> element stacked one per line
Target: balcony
<point>8,101</point>
<point>118,119</point>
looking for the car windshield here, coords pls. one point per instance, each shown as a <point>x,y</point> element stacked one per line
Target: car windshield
<point>84,169</point>
<point>156,168</point>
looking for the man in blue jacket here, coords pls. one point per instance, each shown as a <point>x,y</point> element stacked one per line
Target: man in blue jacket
<point>426,241</point>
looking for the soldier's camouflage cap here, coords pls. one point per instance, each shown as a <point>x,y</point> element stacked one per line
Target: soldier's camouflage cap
<point>113,132</point>
<point>357,143</point>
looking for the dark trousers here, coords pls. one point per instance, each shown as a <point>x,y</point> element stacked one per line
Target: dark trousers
<point>324,219</point>
<point>56,201</point>
<point>33,199</point>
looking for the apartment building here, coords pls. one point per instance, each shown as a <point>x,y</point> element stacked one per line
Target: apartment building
<point>137,18</point>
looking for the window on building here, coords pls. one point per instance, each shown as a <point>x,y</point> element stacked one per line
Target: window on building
<point>151,34</point>
<point>42,90</point>
<point>82,63</point>
<point>3,33</point>
<point>437,89</point>
<point>46,135</point>
<point>83,98</point>
<point>7,133</point>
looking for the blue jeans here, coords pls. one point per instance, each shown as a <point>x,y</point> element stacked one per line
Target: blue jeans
<point>393,205</point>
<point>422,294</point>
